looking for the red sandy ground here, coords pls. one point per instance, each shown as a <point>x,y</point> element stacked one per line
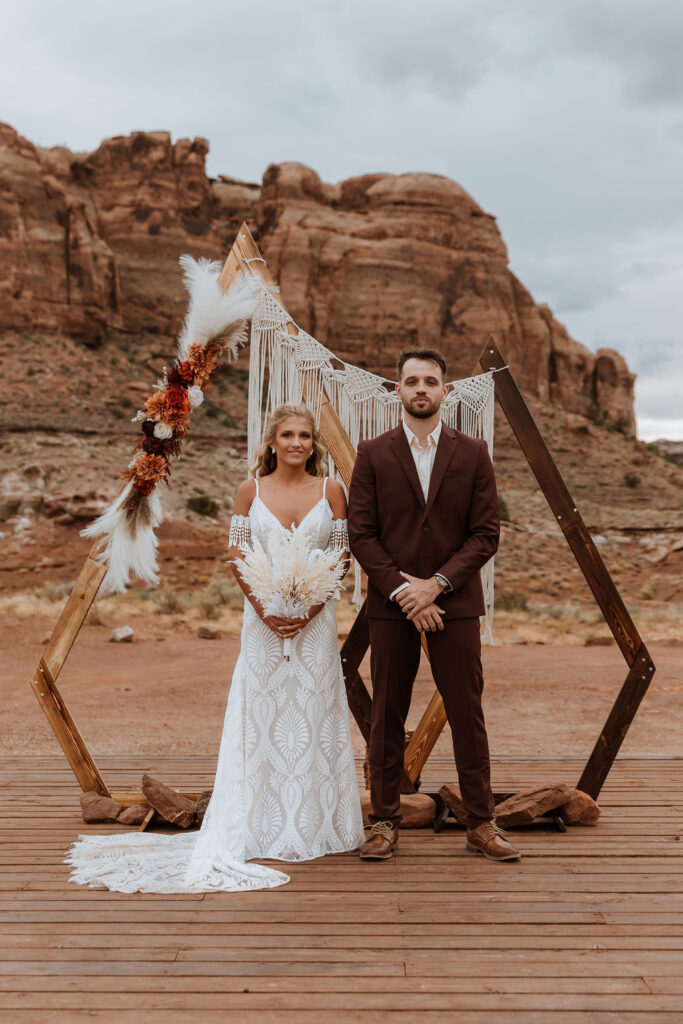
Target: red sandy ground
<point>166,692</point>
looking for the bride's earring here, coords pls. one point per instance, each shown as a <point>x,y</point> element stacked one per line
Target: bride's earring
<point>273,451</point>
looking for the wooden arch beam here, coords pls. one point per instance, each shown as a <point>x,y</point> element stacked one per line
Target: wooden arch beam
<point>243,257</point>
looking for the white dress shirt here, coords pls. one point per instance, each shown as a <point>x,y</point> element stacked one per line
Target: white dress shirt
<point>423,456</point>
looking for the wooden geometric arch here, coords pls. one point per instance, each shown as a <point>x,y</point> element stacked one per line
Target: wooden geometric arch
<point>242,258</point>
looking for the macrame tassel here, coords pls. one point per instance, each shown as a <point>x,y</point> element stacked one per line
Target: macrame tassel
<point>486,575</point>
<point>357,585</point>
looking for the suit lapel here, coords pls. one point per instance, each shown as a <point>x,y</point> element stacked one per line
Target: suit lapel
<point>448,442</point>
<point>400,449</point>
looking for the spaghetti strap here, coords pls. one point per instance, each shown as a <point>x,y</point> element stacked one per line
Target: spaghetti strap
<point>324,485</point>
<point>256,482</point>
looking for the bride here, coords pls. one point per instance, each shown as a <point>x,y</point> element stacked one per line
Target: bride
<point>285,785</point>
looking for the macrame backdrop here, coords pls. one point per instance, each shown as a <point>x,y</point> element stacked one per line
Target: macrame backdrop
<point>284,367</point>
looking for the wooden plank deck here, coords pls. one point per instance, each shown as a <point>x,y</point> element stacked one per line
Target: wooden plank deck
<point>587,927</point>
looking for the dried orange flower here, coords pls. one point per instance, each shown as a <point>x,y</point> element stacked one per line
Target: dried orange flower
<point>156,406</point>
<point>204,361</point>
<point>150,468</point>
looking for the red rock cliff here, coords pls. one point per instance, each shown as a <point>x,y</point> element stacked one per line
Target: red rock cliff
<point>90,242</point>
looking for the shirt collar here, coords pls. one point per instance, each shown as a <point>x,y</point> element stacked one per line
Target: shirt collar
<point>432,438</point>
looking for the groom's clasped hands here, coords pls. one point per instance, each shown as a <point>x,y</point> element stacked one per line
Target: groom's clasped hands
<point>418,602</point>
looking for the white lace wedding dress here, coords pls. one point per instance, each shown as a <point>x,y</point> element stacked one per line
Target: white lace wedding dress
<point>285,786</point>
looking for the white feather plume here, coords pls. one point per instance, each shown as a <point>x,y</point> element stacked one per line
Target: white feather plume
<point>212,311</point>
<point>130,543</point>
<point>130,547</point>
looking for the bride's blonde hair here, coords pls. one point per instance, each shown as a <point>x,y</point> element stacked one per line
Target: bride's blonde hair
<point>266,462</point>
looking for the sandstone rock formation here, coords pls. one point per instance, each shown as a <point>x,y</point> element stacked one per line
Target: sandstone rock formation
<point>89,245</point>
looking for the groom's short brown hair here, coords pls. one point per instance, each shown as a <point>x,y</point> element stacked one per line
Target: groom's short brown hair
<point>428,354</point>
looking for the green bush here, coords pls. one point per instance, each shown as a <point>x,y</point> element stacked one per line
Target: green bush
<point>203,504</point>
<point>503,509</point>
<point>219,592</point>
<point>512,601</point>
<point>169,601</point>
<point>631,479</point>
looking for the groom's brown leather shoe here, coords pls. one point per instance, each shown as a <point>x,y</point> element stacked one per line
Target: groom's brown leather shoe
<point>490,840</point>
<point>381,842</point>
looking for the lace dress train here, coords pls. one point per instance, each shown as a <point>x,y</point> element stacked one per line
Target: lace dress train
<point>285,786</point>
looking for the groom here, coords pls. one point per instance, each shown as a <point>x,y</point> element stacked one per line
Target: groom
<point>423,520</point>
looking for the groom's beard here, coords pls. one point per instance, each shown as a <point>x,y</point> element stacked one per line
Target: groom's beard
<point>424,411</point>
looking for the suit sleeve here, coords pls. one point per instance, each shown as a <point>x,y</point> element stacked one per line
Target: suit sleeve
<point>364,528</point>
<point>484,526</point>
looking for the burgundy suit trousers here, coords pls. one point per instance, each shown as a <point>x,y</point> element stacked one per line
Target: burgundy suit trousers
<point>455,657</point>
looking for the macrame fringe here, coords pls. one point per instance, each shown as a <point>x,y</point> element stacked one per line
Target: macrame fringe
<point>284,367</point>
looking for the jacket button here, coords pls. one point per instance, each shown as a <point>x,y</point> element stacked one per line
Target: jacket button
<point>425,527</point>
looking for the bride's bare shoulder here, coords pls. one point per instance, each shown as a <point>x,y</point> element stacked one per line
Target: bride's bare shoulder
<point>246,492</point>
<point>337,498</point>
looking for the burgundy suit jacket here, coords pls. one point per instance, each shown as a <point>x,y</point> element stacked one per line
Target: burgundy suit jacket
<point>392,528</point>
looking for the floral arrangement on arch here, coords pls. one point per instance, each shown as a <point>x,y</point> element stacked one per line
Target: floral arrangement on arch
<point>214,329</point>
<point>166,416</point>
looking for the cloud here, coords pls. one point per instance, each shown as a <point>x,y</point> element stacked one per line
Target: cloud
<point>564,120</point>
<point>655,429</point>
<point>642,41</point>
<point>569,282</point>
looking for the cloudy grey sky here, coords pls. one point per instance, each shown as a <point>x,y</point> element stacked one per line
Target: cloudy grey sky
<point>563,118</point>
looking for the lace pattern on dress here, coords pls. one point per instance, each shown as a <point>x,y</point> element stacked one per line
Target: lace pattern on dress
<point>285,785</point>
<point>339,536</point>
<point>240,532</point>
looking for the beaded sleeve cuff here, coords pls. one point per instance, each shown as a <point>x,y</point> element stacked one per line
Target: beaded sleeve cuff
<point>339,537</point>
<point>240,532</point>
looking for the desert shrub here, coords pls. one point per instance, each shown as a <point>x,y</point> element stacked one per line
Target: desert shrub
<point>219,592</point>
<point>202,504</point>
<point>503,509</point>
<point>512,601</point>
<point>51,590</point>
<point>562,611</point>
<point>169,601</point>
<point>631,479</point>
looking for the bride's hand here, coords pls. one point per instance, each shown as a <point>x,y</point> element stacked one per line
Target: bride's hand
<point>284,627</point>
